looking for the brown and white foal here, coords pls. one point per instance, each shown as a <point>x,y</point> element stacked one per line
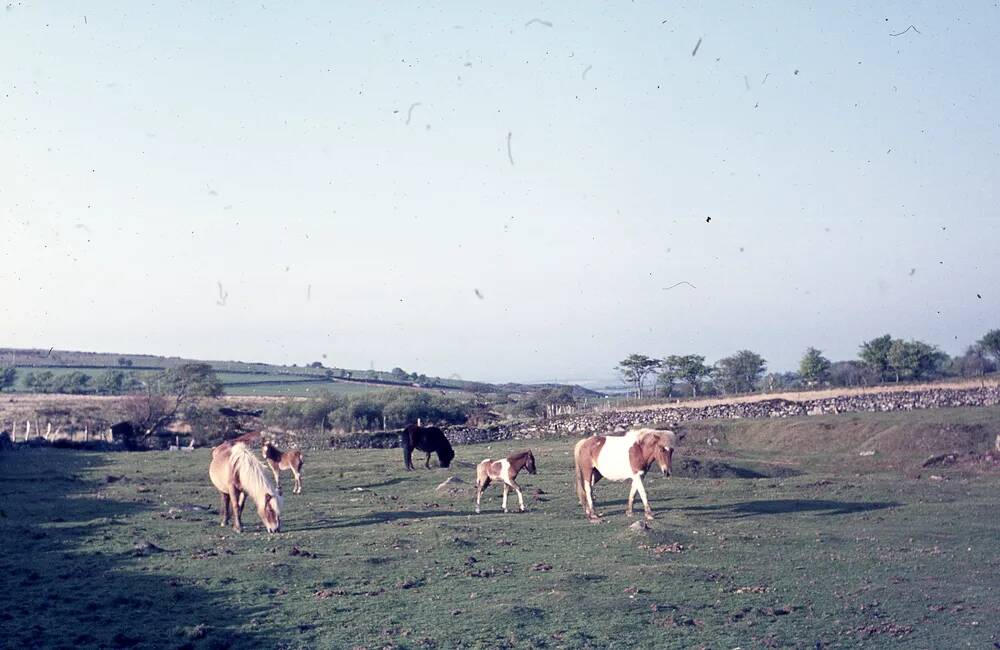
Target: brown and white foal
<point>280,460</point>
<point>504,470</point>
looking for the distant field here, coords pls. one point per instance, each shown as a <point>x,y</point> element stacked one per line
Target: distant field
<point>97,362</point>
<point>279,384</point>
<point>299,388</point>
<point>815,547</point>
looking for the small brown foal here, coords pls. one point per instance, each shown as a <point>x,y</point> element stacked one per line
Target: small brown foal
<point>279,460</point>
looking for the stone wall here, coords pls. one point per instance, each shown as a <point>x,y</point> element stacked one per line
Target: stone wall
<point>582,424</point>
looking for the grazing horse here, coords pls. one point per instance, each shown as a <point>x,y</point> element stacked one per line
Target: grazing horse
<point>428,440</point>
<point>236,472</point>
<point>621,458</point>
<point>504,470</point>
<point>279,460</point>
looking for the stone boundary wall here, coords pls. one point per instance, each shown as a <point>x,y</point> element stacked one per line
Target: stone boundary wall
<point>590,423</point>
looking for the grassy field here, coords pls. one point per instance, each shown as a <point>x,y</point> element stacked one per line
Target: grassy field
<point>231,372</point>
<point>243,384</point>
<point>284,385</point>
<point>817,550</point>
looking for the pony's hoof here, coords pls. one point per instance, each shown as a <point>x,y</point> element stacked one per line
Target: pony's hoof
<point>505,511</point>
<point>649,516</point>
<point>629,513</point>
<point>524,510</point>
<point>477,511</point>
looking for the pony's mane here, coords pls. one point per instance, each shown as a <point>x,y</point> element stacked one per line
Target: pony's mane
<point>520,456</point>
<point>638,434</point>
<point>668,438</point>
<point>252,476</point>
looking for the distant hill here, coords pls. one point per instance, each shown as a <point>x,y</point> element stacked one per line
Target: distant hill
<point>253,378</point>
<point>578,392</point>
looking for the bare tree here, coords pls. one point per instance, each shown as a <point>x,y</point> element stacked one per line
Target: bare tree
<point>168,392</point>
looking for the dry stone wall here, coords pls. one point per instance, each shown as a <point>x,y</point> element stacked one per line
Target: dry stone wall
<point>583,424</point>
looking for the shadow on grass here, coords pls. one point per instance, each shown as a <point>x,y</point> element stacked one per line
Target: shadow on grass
<point>791,506</point>
<point>70,584</point>
<point>379,518</point>
<point>372,486</point>
<point>695,468</point>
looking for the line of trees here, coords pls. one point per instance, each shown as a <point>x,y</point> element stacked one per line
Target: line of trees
<point>739,373</point>
<point>881,359</point>
<point>393,408</point>
<point>73,382</point>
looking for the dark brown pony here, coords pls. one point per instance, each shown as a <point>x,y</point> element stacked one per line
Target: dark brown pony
<point>428,440</point>
<point>506,471</point>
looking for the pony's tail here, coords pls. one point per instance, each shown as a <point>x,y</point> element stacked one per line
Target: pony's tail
<point>578,473</point>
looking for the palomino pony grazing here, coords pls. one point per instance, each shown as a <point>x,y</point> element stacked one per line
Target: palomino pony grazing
<point>236,472</point>
<point>621,458</point>
<point>427,440</point>
<point>504,470</point>
<point>279,460</point>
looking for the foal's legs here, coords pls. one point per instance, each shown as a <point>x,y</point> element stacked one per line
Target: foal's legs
<point>277,476</point>
<point>297,473</point>
<point>480,486</point>
<point>517,488</point>
<point>224,509</point>
<point>506,489</point>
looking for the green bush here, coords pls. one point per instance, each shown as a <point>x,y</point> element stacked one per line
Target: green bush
<point>393,408</point>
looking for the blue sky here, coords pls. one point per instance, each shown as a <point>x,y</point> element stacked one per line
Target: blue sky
<point>151,154</point>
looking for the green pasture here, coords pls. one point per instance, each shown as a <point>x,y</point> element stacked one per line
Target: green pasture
<point>125,550</point>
